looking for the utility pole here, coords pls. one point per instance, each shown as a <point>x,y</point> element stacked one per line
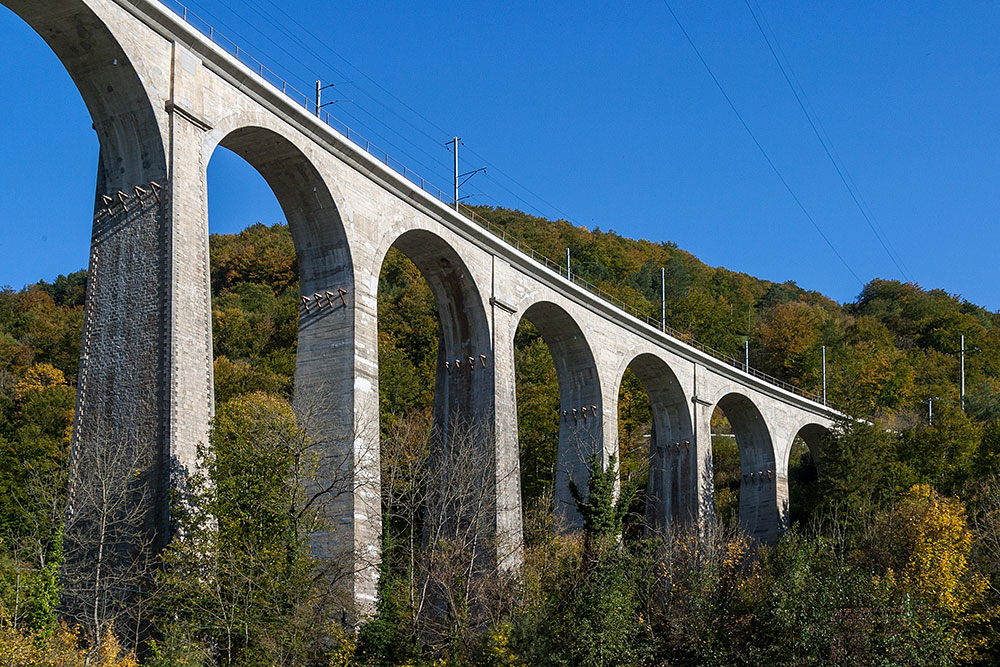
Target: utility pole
<point>454,149</point>
<point>746,354</point>
<point>824,375</point>
<point>319,96</point>
<point>962,393</point>
<point>458,182</point>
<point>568,274</point>
<point>930,410</point>
<point>663,299</point>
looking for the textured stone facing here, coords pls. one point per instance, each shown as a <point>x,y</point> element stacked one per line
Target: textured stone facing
<point>146,373</point>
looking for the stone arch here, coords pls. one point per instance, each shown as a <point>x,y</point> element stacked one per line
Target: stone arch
<point>815,435</point>
<point>308,201</point>
<point>332,389</point>
<point>758,509</point>
<point>464,380</point>
<point>580,402</point>
<point>132,148</point>
<point>800,470</point>
<point>127,412</point>
<point>671,489</point>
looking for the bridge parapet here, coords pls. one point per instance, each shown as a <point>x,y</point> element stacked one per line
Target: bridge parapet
<point>164,95</point>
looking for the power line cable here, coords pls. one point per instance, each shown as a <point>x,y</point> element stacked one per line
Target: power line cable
<point>326,62</point>
<point>823,143</point>
<point>757,143</point>
<point>416,113</point>
<point>270,20</point>
<point>826,135</point>
<point>355,121</point>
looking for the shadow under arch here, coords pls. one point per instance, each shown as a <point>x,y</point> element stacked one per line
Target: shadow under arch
<point>671,489</point>
<point>804,466</point>
<point>816,437</point>
<point>580,403</point>
<point>758,510</point>
<point>122,421</point>
<point>328,385</point>
<point>463,390</point>
<point>459,505</point>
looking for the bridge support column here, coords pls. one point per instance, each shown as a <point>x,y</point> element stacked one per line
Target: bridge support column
<point>336,398</point>
<point>701,500</point>
<point>509,528</point>
<point>145,393</point>
<point>784,436</point>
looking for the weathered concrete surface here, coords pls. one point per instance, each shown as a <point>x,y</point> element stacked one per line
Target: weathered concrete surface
<point>146,375</point>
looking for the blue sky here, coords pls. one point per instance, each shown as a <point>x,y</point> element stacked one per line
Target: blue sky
<point>602,113</point>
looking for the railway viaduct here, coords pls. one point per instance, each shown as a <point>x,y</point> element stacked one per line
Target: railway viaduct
<point>163,92</point>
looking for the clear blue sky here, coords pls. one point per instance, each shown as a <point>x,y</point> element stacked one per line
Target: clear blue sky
<point>602,113</point>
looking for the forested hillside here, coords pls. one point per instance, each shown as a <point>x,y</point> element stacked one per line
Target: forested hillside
<point>894,557</point>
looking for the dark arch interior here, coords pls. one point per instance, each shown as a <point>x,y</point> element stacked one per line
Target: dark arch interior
<point>438,488</point>
<point>580,405</point>
<point>670,491</point>
<point>757,514</point>
<point>463,386</point>
<point>804,468</point>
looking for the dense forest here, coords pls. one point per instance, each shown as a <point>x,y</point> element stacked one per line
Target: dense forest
<point>893,557</point>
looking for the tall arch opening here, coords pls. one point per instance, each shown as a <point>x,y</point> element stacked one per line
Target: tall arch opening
<point>538,422</point>
<point>804,471</point>
<point>737,421</point>
<point>566,439</point>
<point>655,433</point>
<point>438,456</point>
<point>636,452</point>
<point>283,320</point>
<point>120,405</point>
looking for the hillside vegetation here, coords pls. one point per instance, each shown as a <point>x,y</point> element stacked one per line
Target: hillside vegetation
<point>894,557</point>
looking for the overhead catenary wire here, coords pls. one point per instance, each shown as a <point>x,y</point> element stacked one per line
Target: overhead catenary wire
<point>826,135</point>
<point>760,147</point>
<point>381,137</point>
<point>826,148</point>
<point>497,169</point>
<point>321,59</point>
<point>305,30</point>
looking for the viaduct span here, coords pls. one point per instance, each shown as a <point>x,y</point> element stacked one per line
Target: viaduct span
<point>163,95</point>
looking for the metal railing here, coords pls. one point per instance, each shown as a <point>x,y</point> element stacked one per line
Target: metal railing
<point>302,99</point>
<point>309,104</point>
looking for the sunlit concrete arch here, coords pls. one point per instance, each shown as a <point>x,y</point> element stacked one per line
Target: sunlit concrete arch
<point>311,200</point>
<point>581,406</point>
<point>759,513</point>
<point>673,474</point>
<point>326,365</point>
<point>111,74</point>
<point>464,378</point>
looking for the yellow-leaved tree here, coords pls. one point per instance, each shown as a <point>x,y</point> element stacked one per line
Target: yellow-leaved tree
<point>930,532</point>
<point>38,377</point>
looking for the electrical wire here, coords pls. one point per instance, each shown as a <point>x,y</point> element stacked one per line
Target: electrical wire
<point>757,143</point>
<point>355,121</point>
<point>409,108</point>
<point>823,143</point>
